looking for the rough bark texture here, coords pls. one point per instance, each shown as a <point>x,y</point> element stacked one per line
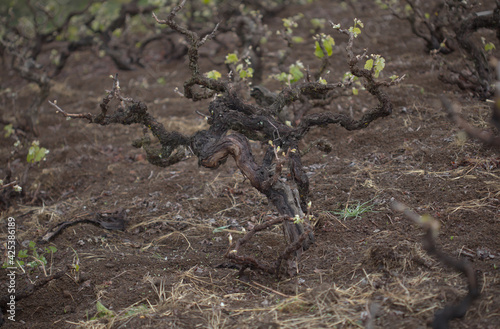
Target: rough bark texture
<point>482,68</point>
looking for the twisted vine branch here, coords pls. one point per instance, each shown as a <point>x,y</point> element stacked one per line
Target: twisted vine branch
<point>431,228</point>
<point>228,111</point>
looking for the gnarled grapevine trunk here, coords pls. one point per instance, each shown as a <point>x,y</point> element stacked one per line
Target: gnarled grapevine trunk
<point>213,151</point>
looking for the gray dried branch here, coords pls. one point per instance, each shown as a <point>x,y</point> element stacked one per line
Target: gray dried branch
<point>487,138</point>
<point>127,112</point>
<point>197,79</point>
<point>431,228</point>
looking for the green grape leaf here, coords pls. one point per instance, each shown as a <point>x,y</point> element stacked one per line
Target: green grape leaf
<point>379,65</point>
<point>355,30</point>
<point>214,74</point>
<point>248,73</point>
<point>231,58</point>
<point>328,43</point>
<point>36,153</point>
<point>296,72</point>
<point>318,52</point>
<point>369,64</point>
<point>489,46</point>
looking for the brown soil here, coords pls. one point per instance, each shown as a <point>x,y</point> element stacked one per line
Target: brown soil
<point>167,270</point>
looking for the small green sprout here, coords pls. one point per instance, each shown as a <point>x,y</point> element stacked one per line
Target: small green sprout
<point>376,63</point>
<point>34,258</point>
<point>294,73</point>
<point>488,46</point>
<point>36,153</point>
<point>349,78</point>
<point>8,130</point>
<point>298,220</point>
<point>214,74</point>
<point>102,311</point>
<point>221,228</point>
<point>231,58</point>
<point>355,211</point>
<point>244,73</point>
<point>243,69</point>
<point>356,28</point>
<point>328,43</point>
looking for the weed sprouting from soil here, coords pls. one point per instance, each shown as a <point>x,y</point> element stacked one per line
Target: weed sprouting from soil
<point>355,211</point>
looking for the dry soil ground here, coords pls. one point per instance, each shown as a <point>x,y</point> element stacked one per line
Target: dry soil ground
<point>166,269</point>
